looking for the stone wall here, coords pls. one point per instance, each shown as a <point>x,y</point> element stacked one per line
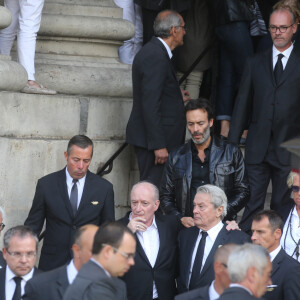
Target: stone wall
<point>76,55</point>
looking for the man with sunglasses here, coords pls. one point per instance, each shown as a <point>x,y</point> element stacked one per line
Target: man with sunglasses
<point>2,261</point>
<point>19,252</point>
<point>268,102</point>
<point>155,261</point>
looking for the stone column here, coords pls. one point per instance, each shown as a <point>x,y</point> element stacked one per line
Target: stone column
<point>13,76</point>
<point>77,55</point>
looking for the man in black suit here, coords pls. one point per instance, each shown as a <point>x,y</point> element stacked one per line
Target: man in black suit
<point>67,200</point>
<point>113,255</point>
<point>267,229</point>
<point>198,244</point>
<point>157,123</point>
<point>268,98</point>
<point>2,225</point>
<point>249,268</point>
<point>221,282</point>
<point>20,250</point>
<point>53,284</point>
<point>156,256</point>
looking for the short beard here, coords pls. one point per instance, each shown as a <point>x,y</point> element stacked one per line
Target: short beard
<point>206,136</point>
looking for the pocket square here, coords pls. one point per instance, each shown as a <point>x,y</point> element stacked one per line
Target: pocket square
<point>95,202</point>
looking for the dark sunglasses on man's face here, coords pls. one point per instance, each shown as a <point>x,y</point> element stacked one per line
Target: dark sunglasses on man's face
<point>295,188</point>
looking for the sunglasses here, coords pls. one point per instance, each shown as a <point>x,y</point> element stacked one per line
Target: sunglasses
<point>295,188</point>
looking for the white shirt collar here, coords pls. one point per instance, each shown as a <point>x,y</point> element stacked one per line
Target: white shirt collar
<point>274,253</point>
<point>80,181</point>
<point>10,275</point>
<point>286,52</point>
<point>213,294</point>
<point>71,271</point>
<point>97,263</point>
<point>167,47</point>
<point>214,231</point>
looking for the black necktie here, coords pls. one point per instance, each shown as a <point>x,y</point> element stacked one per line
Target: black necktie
<point>278,70</point>
<point>74,196</point>
<point>198,262</point>
<point>17,293</point>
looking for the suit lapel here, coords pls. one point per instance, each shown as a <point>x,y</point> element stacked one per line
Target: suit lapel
<point>276,263</point>
<point>2,283</point>
<point>62,183</point>
<point>289,68</point>
<point>62,282</point>
<point>141,252</point>
<point>162,239</point>
<point>88,186</point>
<point>268,63</point>
<point>220,240</point>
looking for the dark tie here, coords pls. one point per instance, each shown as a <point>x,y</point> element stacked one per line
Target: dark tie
<point>17,293</point>
<point>74,196</point>
<point>278,70</point>
<point>198,262</point>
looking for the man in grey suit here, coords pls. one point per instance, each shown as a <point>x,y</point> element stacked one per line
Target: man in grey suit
<point>249,268</point>
<point>53,284</point>
<point>113,255</point>
<point>221,282</point>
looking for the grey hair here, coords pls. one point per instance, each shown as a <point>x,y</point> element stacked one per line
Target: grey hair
<point>285,8</point>
<point>21,231</point>
<point>155,191</point>
<point>217,196</point>
<point>164,21</point>
<point>244,257</point>
<point>2,212</point>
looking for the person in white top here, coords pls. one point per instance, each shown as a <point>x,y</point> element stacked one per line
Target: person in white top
<point>266,231</point>
<point>20,249</point>
<point>52,285</point>
<point>26,21</point>
<point>290,239</point>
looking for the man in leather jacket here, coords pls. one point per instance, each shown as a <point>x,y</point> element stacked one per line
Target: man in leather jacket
<point>204,159</point>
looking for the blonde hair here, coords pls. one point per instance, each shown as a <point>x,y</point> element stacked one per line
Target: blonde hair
<point>291,5</point>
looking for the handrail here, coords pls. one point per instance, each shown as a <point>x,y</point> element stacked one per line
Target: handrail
<point>109,163</point>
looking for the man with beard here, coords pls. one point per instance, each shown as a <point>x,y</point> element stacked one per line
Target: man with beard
<point>204,159</point>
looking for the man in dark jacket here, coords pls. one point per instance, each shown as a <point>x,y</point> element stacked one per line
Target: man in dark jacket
<point>203,159</point>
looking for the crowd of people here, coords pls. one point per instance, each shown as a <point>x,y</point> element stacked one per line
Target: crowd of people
<point>181,239</point>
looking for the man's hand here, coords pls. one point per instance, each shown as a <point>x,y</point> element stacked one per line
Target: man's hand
<point>161,156</point>
<point>185,95</point>
<point>137,224</point>
<point>232,225</point>
<point>187,222</point>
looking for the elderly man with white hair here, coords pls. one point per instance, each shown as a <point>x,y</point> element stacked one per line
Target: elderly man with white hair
<point>198,244</point>
<point>2,261</point>
<point>249,268</point>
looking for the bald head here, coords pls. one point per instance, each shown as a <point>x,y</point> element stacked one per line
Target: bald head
<point>83,243</point>
<point>223,253</point>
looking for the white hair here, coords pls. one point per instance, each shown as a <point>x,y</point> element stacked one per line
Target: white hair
<point>217,196</point>
<point>244,257</point>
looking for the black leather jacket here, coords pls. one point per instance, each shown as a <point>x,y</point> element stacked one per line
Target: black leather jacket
<point>227,11</point>
<point>226,170</point>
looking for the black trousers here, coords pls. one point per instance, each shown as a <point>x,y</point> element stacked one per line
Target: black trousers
<point>148,170</point>
<point>259,176</point>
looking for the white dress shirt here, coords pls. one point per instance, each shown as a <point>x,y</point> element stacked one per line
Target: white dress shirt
<point>213,295</point>
<point>149,241</point>
<point>210,239</point>
<point>80,185</point>
<point>286,54</point>
<point>10,284</point>
<point>167,47</point>
<point>71,272</point>
<point>274,253</point>
<point>286,241</point>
